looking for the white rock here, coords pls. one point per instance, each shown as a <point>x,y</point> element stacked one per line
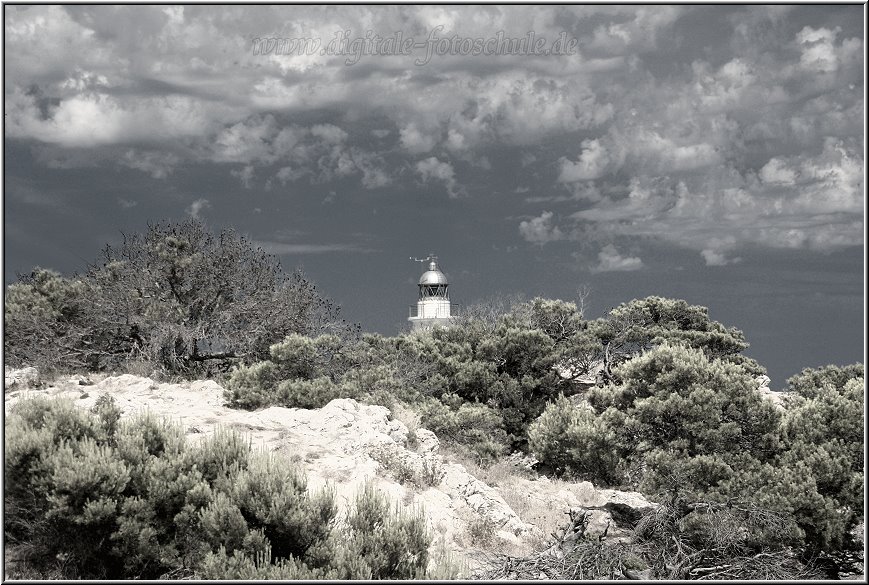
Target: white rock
<point>428,441</point>
<point>20,378</point>
<point>776,398</point>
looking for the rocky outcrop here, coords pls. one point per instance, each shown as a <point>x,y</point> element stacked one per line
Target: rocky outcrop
<point>778,399</point>
<point>611,512</point>
<point>21,378</point>
<point>485,501</point>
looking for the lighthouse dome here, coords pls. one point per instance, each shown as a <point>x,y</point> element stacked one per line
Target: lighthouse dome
<point>433,275</point>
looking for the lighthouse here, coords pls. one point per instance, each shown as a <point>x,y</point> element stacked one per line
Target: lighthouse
<point>433,305</point>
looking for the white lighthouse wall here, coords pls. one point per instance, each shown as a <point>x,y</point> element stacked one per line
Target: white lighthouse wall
<point>433,308</point>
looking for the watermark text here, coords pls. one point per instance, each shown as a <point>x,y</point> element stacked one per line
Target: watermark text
<point>435,44</point>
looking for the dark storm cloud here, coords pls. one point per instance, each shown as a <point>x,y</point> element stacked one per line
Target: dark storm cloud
<point>732,135</point>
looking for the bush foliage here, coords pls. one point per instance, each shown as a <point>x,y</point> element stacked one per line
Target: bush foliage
<point>694,432</point>
<point>177,297</point>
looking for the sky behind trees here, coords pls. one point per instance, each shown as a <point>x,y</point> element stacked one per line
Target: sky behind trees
<point>710,153</point>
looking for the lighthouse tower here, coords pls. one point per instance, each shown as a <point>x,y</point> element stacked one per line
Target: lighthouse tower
<point>433,305</point>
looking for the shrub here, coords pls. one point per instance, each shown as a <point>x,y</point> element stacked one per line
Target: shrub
<point>189,301</point>
<point>676,399</point>
<point>481,531</point>
<point>823,445</point>
<point>572,439</point>
<point>109,414</point>
<point>700,431</point>
<point>637,326</point>
<point>253,386</point>
<point>476,427</point>
<point>247,567</point>
<point>222,524</point>
<point>429,471</point>
<point>315,393</point>
<point>43,318</point>
<point>717,541</point>
<point>812,381</point>
<point>393,543</point>
<point>307,358</point>
<point>303,373</point>
<point>245,391</point>
<point>274,498</point>
<point>377,384</point>
<point>508,368</point>
<point>391,462</point>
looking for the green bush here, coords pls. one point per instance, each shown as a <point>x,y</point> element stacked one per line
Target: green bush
<point>176,296</point>
<point>475,427</point>
<point>676,399</point>
<point>639,325</point>
<point>428,473</point>
<point>43,313</point>
<point>315,393</point>
<point>503,371</point>
<point>249,567</point>
<point>572,439</point>
<point>699,430</point>
<point>812,381</point>
<point>823,448</point>
<point>253,386</point>
<point>378,384</point>
<point>393,543</point>
<point>303,373</point>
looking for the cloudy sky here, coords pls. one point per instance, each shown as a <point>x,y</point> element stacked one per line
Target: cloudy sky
<point>710,153</point>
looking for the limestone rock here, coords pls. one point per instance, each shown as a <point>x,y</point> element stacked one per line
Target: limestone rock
<point>20,378</point>
<point>428,441</point>
<point>776,398</point>
<point>484,500</point>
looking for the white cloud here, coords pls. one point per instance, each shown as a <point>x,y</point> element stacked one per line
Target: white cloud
<point>771,107</point>
<point>777,172</point>
<point>611,260</point>
<point>246,141</point>
<point>157,164</point>
<point>245,175</point>
<point>373,176</point>
<point>817,50</point>
<point>592,163</point>
<point>717,258</point>
<point>197,207</point>
<point>416,140</point>
<point>290,174</point>
<point>93,119</point>
<point>635,29</point>
<point>432,168</point>
<point>329,133</point>
<point>723,208</point>
<point>539,230</point>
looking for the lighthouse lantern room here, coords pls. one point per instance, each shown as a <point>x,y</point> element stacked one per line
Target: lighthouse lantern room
<point>433,304</point>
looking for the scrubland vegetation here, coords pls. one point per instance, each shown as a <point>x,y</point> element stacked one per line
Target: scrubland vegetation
<point>674,413</point>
